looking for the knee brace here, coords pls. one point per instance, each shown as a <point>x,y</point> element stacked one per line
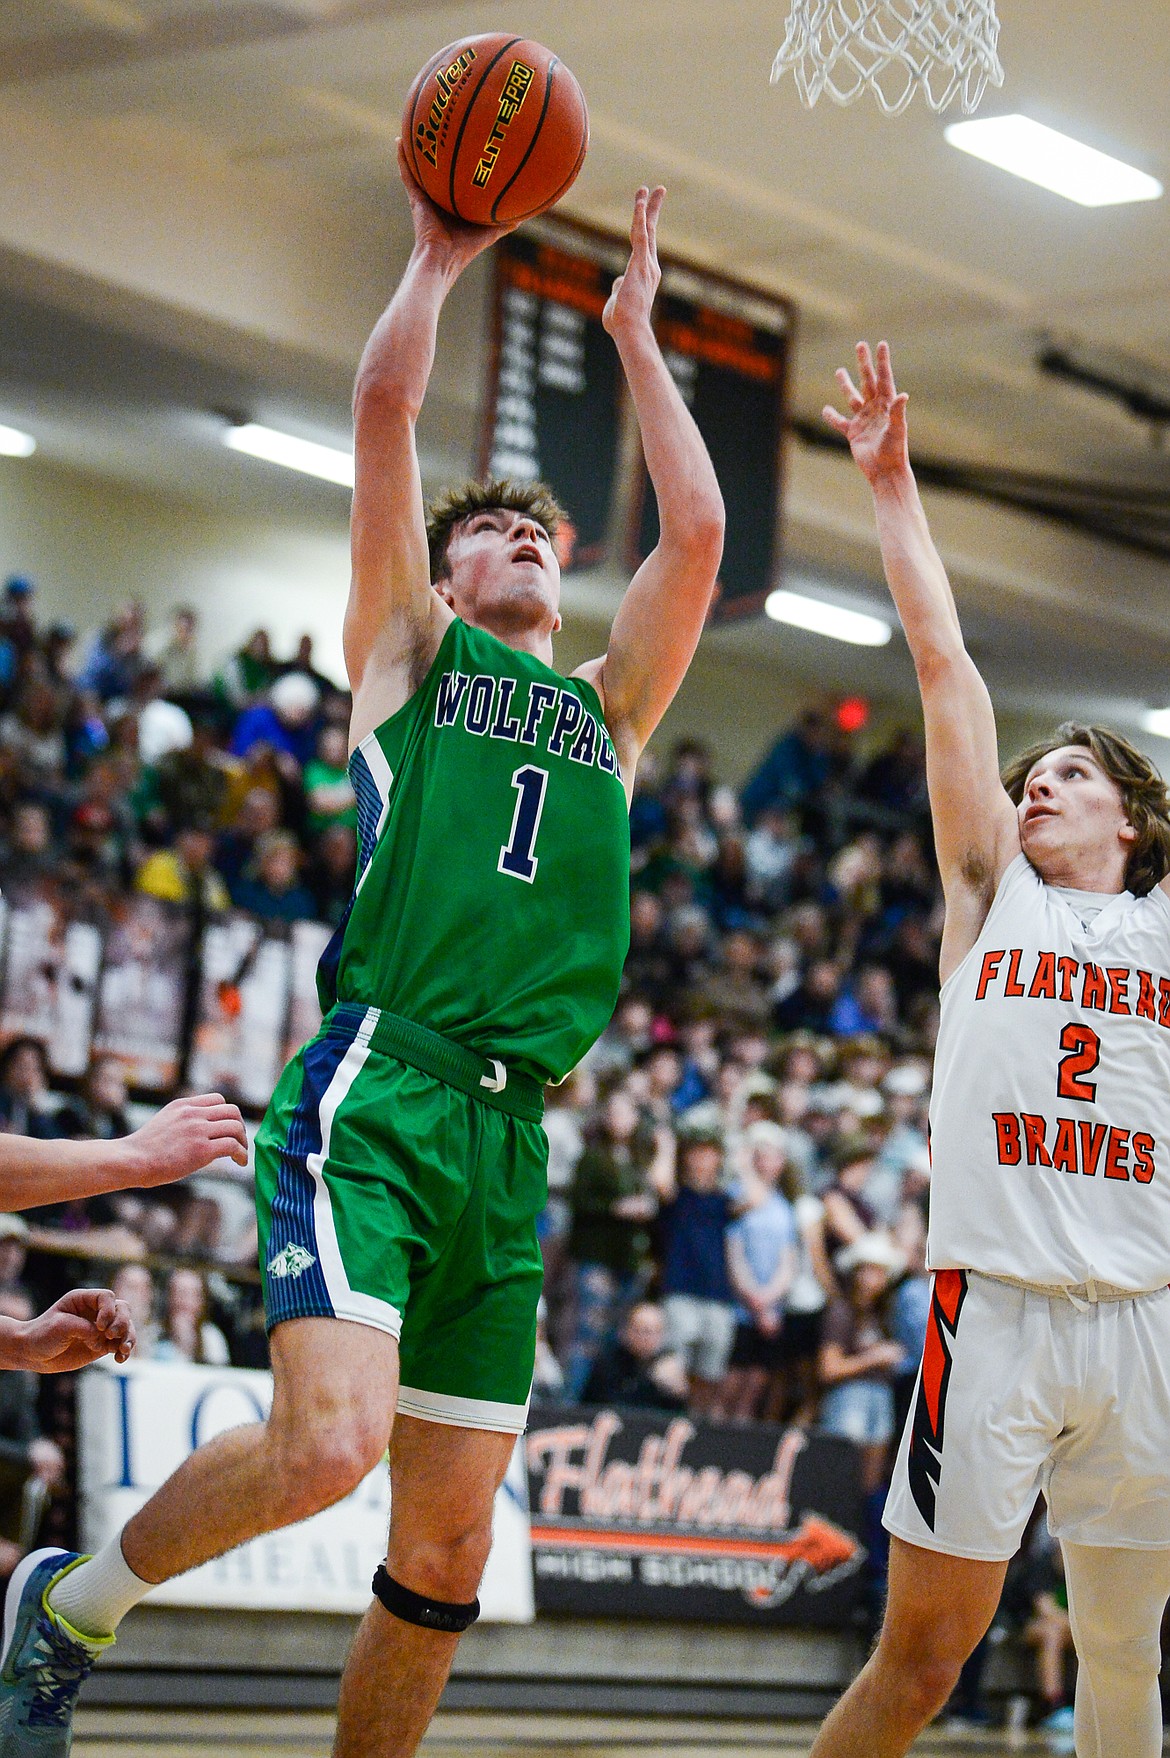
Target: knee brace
<point>415,1608</point>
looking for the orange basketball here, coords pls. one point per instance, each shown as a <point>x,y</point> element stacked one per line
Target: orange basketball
<point>495,128</point>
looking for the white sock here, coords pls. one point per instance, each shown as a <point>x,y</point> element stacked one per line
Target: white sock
<point>95,1596</point>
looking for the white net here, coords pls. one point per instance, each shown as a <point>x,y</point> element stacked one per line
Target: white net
<point>893,48</point>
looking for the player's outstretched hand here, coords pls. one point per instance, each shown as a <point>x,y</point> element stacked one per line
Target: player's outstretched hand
<point>630,302</point>
<point>876,424</point>
<point>81,1327</point>
<point>184,1136</point>
<point>454,241</point>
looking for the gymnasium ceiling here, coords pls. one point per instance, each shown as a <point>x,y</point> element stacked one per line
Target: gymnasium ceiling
<point>198,210</point>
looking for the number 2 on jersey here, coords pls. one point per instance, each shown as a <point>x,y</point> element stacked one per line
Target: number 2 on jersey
<point>1084,1053</point>
<point>517,857</point>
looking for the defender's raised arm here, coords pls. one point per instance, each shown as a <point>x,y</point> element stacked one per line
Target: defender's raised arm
<point>661,617</point>
<point>975,825</point>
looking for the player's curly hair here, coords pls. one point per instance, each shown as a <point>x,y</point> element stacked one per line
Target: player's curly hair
<point>1143,794</point>
<point>496,494</point>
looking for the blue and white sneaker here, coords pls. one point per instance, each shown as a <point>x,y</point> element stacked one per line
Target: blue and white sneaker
<point>44,1661</point>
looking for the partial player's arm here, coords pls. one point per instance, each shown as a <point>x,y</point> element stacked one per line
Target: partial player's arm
<point>184,1136</point>
<point>395,620</point>
<point>81,1327</point>
<point>976,831</point>
<point>657,628</point>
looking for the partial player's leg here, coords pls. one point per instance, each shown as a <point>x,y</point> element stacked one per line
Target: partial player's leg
<point>444,1481</point>
<point>1115,1600</point>
<point>937,1610</point>
<point>332,1410</point>
<point>468,1345</point>
<point>335,1386</point>
<point>1109,1505</point>
<point>966,1478</point>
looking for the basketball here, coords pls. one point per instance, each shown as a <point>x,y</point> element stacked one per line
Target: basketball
<point>495,128</point>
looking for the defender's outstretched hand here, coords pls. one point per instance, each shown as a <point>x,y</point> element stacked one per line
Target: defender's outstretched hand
<point>81,1327</point>
<point>632,297</point>
<point>183,1137</point>
<point>454,241</point>
<point>876,424</point>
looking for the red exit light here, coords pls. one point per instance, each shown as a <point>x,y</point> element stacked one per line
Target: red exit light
<point>852,714</point>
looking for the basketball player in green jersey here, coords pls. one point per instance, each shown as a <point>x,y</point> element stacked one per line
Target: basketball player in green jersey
<point>401,1167</point>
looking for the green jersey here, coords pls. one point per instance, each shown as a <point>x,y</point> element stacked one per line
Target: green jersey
<point>492,898</point>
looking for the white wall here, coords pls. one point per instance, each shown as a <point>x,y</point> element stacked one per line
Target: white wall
<point>90,544</point>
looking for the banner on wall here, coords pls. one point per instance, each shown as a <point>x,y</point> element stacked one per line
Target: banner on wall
<point>138,1422</point>
<point>307,942</point>
<point>142,990</point>
<point>640,1514</point>
<point>243,1005</point>
<point>51,964</point>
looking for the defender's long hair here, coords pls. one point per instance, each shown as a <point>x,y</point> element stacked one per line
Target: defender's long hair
<point>1143,794</point>
<point>495,495</point>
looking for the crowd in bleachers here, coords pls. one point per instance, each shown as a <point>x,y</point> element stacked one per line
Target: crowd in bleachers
<point>128,768</point>
<point>747,1142</point>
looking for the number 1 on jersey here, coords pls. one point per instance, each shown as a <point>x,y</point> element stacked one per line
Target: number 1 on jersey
<point>516,856</point>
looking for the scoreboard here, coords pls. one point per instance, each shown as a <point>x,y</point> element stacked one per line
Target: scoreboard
<point>557,408</point>
<point>727,351</point>
<point>555,386</point>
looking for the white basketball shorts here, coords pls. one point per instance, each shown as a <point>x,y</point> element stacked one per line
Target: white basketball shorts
<point>1022,1393</point>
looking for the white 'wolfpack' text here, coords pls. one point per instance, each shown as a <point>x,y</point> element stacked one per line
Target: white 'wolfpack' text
<point>525,714</point>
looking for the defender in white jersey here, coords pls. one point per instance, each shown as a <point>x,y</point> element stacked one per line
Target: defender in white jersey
<point>1047,1360</point>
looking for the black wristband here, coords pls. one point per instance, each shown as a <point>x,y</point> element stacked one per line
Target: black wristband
<point>414,1608</point>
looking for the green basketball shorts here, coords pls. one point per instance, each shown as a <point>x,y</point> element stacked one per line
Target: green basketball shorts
<point>398,1182</point>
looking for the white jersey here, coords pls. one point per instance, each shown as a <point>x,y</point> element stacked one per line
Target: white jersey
<point>1050,1114</point>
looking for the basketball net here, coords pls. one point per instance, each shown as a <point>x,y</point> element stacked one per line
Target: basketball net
<point>892,48</point>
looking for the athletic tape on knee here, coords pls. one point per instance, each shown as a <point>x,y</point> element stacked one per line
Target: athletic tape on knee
<point>415,1608</point>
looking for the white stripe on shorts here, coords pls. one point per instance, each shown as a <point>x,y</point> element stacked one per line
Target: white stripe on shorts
<point>462,1412</point>
<point>362,1309</point>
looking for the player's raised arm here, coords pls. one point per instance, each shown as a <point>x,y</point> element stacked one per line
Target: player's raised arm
<point>394,620</point>
<point>975,827</point>
<point>657,628</point>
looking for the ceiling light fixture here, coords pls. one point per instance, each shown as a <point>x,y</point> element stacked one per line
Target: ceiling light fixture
<point>1157,721</point>
<point>14,444</point>
<point>1053,160</point>
<point>327,462</point>
<point>827,619</point>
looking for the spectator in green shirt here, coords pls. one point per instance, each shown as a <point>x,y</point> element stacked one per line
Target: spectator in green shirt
<point>612,1205</point>
<point>328,794</point>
